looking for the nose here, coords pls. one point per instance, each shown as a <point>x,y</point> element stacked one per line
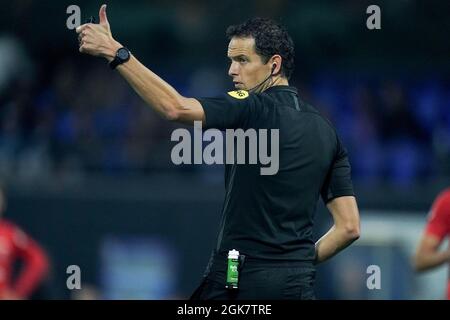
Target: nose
<point>233,70</point>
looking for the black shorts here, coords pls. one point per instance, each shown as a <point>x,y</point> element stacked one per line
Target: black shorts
<point>259,282</point>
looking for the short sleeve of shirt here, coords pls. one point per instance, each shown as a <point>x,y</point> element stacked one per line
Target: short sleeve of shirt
<point>338,182</point>
<point>439,219</point>
<point>228,111</point>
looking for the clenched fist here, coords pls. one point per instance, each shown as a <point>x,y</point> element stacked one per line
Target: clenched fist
<point>96,39</point>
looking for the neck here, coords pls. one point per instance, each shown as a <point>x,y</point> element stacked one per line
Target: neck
<point>280,81</point>
<point>274,81</point>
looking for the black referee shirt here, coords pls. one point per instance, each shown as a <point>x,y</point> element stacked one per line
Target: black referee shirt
<point>271,216</point>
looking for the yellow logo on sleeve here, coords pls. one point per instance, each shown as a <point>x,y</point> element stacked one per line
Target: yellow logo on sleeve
<point>239,94</point>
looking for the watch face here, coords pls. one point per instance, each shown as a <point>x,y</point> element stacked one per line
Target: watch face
<point>123,54</point>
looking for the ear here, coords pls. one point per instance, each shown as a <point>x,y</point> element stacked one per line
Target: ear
<point>276,61</point>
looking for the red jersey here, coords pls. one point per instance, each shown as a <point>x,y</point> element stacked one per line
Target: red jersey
<point>439,222</point>
<point>15,244</point>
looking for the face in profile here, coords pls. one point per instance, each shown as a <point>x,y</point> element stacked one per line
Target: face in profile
<point>247,68</point>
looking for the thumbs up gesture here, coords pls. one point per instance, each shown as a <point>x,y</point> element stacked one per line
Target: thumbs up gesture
<point>96,39</point>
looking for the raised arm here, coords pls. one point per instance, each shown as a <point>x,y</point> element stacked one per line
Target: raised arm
<point>97,40</point>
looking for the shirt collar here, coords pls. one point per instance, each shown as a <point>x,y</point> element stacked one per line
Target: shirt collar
<point>281,88</point>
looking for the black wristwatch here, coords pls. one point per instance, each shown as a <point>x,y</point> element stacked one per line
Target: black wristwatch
<point>122,56</point>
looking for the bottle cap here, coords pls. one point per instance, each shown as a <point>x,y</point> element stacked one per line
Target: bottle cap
<point>233,254</point>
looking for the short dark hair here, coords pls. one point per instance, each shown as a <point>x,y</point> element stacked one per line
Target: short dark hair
<point>270,38</point>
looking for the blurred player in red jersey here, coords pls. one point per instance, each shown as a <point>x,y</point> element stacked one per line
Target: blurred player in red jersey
<point>428,255</point>
<point>15,244</point>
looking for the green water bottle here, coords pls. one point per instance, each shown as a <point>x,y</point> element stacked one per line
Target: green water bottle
<point>232,270</point>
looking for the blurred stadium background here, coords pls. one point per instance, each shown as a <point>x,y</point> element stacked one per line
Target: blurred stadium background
<point>87,168</point>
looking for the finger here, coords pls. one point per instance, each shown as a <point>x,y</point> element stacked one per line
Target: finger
<point>80,28</point>
<point>84,42</point>
<point>82,36</point>
<point>86,47</point>
<point>102,15</point>
<point>81,40</point>
<point>88,40</point>
<point>83,27</point>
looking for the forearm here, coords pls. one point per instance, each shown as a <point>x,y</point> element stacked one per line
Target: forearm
<point>157,93</point>
<point>430,260</point>
<point>334,241</point>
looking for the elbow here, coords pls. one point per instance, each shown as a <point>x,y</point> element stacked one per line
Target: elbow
<point>418,264</point>
<point>171,110</point>
<point>352,232</point>
<point>417,267</point>
<point>171,115</point>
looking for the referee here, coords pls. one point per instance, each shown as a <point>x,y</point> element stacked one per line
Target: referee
<point>267,218</point>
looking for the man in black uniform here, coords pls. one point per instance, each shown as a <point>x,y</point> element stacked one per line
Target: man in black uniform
<point>267,218</point>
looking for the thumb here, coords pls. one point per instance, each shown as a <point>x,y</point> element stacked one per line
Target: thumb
<point>102,15</point>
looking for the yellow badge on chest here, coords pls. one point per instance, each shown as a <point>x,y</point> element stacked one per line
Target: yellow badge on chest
<point>239,94</point>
